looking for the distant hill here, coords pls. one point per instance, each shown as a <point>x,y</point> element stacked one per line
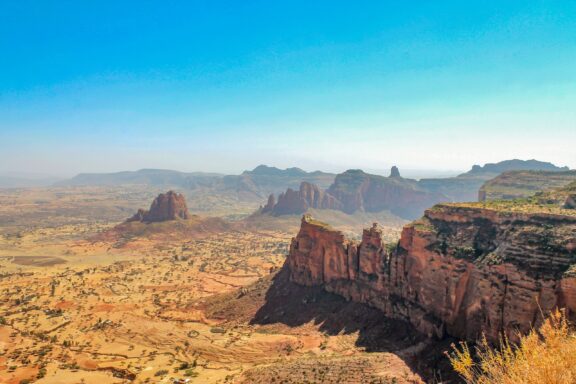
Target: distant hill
<point>249,186</point>
<point>155,177</point>
<point>22,182</point>
<point>356,191</point>
<point>264,180</point>
<point>515,165</point>
<point>519,184</point>
<point>465,187</point>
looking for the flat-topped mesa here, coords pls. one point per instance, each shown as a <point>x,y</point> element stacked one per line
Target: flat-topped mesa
<point>165,207</point>
<point>458,271</point>
<point>298,202</point>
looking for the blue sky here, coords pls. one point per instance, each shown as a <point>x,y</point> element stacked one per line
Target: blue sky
<point>227,85</point>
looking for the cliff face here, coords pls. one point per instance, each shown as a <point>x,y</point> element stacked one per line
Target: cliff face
<point>459,271</point>
<point>166,206</point>
<point>298,202</point>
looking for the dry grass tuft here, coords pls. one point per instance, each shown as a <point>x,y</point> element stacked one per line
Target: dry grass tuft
<point>544,356</point>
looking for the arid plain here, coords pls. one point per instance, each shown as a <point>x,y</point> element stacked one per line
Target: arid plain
<point>87,299</point>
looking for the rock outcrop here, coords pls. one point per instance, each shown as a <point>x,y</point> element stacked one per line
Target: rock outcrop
<point>394,172</point>
<point>460,271</point>
<point>298,202</point>
<point>165,207</point>
<point>269,204</point>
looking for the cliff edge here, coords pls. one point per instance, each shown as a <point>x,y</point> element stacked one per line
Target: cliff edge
<point>461,270</point>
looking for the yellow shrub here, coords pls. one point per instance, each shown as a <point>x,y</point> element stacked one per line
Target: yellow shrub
<point>545,356</point>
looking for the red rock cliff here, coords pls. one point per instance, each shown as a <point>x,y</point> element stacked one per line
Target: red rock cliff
<point>458,271</point>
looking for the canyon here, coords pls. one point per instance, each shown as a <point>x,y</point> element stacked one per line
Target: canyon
<point>462,270</point>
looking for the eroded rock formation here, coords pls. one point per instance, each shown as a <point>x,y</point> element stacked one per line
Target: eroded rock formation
<point>269,204</point>
<point>459,271</point>
<point>355,190</point>
<point>394,172</point>
<point>298,202</point>
<point>166,206</point>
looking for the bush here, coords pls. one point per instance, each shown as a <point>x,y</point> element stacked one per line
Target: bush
<point>161,372</point>
<point>544,356</point>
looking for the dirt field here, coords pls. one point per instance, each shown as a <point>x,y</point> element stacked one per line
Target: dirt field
<point>84,302</point>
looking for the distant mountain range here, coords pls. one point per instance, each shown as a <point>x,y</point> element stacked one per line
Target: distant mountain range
<point>155,177</point>
<point>465,187</point>
<point>250,185</point>
<point>26,182</point>
<point>350,191</point>
<point>355,190</point>
<point>521,184</point>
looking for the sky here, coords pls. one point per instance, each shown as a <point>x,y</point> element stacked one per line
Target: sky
<point>223,86</point>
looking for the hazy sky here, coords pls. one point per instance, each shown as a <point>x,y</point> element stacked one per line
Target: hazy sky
<point>226,85</point>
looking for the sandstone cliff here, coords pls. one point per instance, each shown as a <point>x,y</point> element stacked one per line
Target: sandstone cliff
<point>460,270</point>
<point>166,206</point>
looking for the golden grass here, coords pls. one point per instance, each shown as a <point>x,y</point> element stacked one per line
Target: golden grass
<point>544,356</point>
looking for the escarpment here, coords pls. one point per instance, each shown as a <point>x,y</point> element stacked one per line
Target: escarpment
<point>461,270</point>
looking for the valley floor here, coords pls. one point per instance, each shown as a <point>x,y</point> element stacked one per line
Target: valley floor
<point>77,306</point>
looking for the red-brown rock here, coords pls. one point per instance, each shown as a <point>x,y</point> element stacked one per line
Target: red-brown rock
<point>269,204</point>
<point>458,271</point>
<point>165,207</point>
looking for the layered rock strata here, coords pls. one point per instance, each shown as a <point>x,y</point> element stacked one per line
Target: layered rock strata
<point>459,271</point>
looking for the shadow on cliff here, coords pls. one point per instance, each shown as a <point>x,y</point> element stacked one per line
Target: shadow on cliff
<point>295,305</point>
